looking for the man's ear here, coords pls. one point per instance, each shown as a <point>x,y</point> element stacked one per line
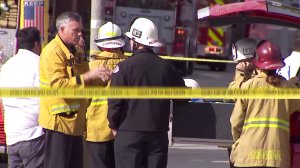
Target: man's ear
<point>38,44</point>
<point>38,47</point>
<point>246,63</point>
<point>62,29</point>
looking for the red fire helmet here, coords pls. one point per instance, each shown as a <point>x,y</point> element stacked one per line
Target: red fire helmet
<point>268,56</point>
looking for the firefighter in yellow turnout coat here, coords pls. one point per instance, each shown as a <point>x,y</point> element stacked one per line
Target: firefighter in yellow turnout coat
<point>260,127</point>
<point>64,119</point>
<point>99,135</point>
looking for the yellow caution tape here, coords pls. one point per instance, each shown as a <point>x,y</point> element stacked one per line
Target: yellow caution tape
<point>175,58</point>
<point>154,93</point>
<point>195,59</point>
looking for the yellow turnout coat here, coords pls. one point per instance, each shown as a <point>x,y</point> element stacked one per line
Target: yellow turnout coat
<point>97,123</point>
<point>260,128</point>
<point>59,68</point>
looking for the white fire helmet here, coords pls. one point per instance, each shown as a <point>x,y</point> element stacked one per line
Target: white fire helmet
<point>144,31</point>
<point>243,49</point>
<point>191,83</point>
<point>110,36</point>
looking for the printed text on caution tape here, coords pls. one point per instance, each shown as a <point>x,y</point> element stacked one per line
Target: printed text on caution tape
<point>154,93</point>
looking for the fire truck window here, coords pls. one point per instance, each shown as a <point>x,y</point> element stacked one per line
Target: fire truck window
<point>149,4</point>
<point>266,32</point>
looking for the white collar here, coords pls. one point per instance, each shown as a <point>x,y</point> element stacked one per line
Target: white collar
<point>295,53</point>
<point>27,53</point>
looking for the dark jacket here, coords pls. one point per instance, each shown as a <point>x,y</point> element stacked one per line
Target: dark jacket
<point>143,69</point>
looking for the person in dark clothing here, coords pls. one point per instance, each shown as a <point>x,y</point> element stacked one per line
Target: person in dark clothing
<point>140,125</point>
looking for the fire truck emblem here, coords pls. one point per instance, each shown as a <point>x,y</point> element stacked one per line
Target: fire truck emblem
<point>136,33</point>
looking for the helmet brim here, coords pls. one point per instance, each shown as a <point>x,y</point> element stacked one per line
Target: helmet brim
<point>128,34</point>
<point>269,66</point>
<point>117,43</point>
<point>156,44</point>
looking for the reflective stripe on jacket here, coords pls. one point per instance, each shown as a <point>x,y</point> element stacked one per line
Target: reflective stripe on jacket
<point>267,123</point>
<point>260,128</point>
<point>44,84</point>
<point>63,108</point>
<point>96,102</point>
<point>59,68</point>
<point>97,123</point>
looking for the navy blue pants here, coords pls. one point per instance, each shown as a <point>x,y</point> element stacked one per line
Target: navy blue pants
<point>141,149</point>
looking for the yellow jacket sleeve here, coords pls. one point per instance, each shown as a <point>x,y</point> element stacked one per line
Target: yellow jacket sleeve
<point>237,119</point>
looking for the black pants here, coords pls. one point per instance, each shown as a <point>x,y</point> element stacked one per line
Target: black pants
<point>63,151</point>
<point>141,149</point>
<point>101,154</point>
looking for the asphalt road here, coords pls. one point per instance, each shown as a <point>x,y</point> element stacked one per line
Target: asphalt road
<point>197,156</point>
<point>208,78</point>
<point>193,156</point>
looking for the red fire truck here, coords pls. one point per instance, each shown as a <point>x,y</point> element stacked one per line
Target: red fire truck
<point>213,42</point>
<point>177,26</point>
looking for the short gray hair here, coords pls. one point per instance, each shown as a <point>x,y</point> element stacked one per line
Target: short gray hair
<point>65,18</point>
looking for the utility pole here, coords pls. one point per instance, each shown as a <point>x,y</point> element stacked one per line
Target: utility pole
<point>97,19</point>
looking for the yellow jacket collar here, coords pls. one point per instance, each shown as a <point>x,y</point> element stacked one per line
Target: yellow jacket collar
<point>261,74</point>
<point>111,55</point>
<point>63,46</point>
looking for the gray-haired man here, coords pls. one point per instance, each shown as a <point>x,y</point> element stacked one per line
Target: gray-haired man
<point>64,119</point>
